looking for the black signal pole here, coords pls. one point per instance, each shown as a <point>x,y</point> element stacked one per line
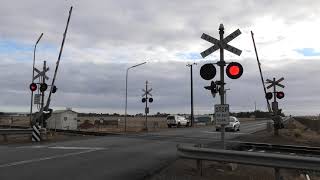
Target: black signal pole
<point>222,63</point>
<point>191,79</point>
<point>146,108</point>
<point>275,109</point>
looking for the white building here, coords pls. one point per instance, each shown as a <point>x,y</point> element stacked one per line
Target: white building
<point>63,119</point>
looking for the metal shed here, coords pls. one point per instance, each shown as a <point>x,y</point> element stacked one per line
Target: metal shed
<point>63,119</point>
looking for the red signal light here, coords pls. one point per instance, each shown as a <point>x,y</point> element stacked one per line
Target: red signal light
<point>234,70</point>
<point>280,95</point>
<point>33,86</point>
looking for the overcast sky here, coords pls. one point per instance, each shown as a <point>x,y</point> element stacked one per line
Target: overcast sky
<point>105,37</point>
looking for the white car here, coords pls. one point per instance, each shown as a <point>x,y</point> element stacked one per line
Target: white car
<point>234,124</point>
<point>176,120</point>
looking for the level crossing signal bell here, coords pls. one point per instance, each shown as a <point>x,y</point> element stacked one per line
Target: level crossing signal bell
<point>33,86</point>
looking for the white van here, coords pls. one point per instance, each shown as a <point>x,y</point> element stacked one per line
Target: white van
<point>176,120</point>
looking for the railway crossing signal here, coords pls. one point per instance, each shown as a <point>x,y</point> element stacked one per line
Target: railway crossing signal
<point>234,70</point>
<point>145,100</point>
<point>276,95</point>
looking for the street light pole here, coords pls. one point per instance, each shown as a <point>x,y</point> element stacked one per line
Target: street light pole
<point>126,103</point>
<point>32,80</point>
<point>191,79</point>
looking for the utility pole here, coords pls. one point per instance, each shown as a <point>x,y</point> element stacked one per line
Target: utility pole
<point>191,91</point>
<point>126,102</point>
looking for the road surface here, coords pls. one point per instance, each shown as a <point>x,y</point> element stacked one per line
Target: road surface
<point>109,157</point>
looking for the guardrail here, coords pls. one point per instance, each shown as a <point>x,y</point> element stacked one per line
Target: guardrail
<point>305,150</point>
<point>250,158</point>
<point>12,131</point>
<point>275,161</point>
<point>15,131</point>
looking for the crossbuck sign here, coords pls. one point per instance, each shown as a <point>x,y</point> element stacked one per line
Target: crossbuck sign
<point>221,44</point>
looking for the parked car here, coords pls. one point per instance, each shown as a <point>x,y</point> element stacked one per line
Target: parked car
<point>178,121</point>
<point>234,124</point>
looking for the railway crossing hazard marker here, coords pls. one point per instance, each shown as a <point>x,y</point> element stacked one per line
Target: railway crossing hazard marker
<point>275,83</point>
<point>41,73</point>
<point>221,44</point>
<point>36,137</point>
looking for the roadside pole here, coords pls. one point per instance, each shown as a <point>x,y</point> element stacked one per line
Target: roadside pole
<point>275,108</point>
<point>221,64</point>
<point>146,108</point>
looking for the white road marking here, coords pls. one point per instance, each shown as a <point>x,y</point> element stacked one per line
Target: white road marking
<point>214,132</point>
<point>77,148</point>
<point>34,146</point>
<point>45,158</point>
<point>62,147</point>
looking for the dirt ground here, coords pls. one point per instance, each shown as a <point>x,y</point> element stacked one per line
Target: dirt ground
<point>295,134</point>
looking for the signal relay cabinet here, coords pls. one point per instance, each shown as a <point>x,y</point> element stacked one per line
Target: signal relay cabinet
<point>63,119</point>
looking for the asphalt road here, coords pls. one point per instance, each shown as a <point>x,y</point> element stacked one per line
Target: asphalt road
<point>110,157</point>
